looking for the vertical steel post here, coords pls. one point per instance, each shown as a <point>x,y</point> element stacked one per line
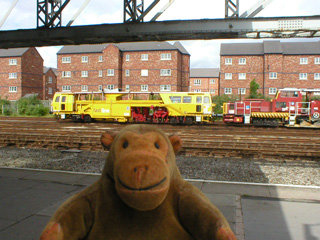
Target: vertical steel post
<point>49,13</point>
<point>231,8</point>
<point>133,9</point>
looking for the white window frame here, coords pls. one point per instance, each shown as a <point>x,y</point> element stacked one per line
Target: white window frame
<point>66,88</point>
<point>50,80</point>
<point>227,90</point>
<point>304,60</point>
<point>84,59</point>
<point>241,91</point>
<point>212,91</point>
<point>317,60</point>
<point>144,73</point>
<point>144,57</point>
<point>110,86</point>
<point>165,72</point>
<point>100,88</point>
<point>212,81</point>
<point>242,76</point>
<point>100,59</point>
<point>100,73</point>
<point>197,90</point>
<point>13,61</point>
<point>242,61</point>
<point>110,72</point>
<point>66,60</point>
<point>165,87</point>
<point>13,89</point>
<point>273,75</point>
<point>165,56</point>
<point>272,91</point>
<point>197,82</point>
<point>303,76</point>
<point>228,76</point>
<point>127,72</point>
<point>50,90</point>
<point>127,57</point>
<point>144,88</point>
<point>13,75</point>
<point>84,88</point>
<point>228,61</point>
<point>317,76</point>
<point>84,74</point>
<point>66,74</point>
<point>127,88</point>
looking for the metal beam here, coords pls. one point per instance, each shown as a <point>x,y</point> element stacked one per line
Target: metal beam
<point>231,8</point>
<point>283,27</point>
<point>133,10</point>
<point>256,8</point>
<point>8,12</point>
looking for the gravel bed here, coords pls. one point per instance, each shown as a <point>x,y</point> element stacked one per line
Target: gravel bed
<point>208,168</point>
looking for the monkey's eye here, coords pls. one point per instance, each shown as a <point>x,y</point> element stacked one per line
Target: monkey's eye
<point>125,144</point>
<point>157,145</point>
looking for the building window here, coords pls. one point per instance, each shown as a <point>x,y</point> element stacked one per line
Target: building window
<point>50,80</point>
<point>212,81</point>
<point>165,87</point>
<point>13,89</point>
<point>110,72</point>
<point>110,86</point>
<point>272,91</point>
<point>84,59</point>
<point>49,90</point>
<point>12,61</point>
<point>242,61</point>
<point>228,61</point>
<point>273,75</point>
<point>165,72</point>
<point>100,88</point>
<point>127,72</point>
<point>228,91</point>
<point>100,73</point>
<point>84,88</point>
<point>303,76</point>
<point>127,88</point>
<point>197,90</point>
<point>241,91</point>
<point>84,73</point>
<point>144,57</point>
<point>303,60</point>
<point>66,88</point>
<point>317,60</point>
<point>127,57</point>
<point>66,60</point>
<point>317,76</point>
<point>13,75</point>
<point>212,91</point>
<point>197,82</point>
<point>228,76</point>
<point>144,72</point>
<point>242,76</point>
<point>165,56</point>
<point>144,88</point>
<point>66,74</point>
<point>100,58</point>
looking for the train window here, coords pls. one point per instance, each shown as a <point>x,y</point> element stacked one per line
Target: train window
<point>283,104</point>
<point>187,99</point>
<point>206,99</point>
<point>295,94</point>
<point>175,99</point>
<point>63,99</point>
<point>231,106</point>
<point>199,99</point>
<point>58,99</point>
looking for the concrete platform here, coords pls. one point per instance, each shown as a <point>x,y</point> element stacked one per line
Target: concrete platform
<point>255,211</point>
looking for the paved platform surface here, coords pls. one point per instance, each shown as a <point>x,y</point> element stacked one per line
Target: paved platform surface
<point>255,211</point>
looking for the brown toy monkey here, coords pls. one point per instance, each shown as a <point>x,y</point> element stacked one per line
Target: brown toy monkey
<point>140,195</point>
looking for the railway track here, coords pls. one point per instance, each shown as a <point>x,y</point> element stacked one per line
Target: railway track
<point>199,140</point>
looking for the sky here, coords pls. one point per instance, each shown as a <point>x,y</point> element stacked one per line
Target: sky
<point>204,53</point>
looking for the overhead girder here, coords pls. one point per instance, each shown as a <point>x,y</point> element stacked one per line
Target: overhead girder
<point>134,10</point>
<point>231,8</point>
<point>283,27</point>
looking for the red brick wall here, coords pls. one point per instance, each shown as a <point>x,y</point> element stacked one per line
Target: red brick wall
<point>47,85</point>
<point>205,86</point>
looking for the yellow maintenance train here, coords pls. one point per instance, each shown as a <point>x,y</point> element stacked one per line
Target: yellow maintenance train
<point>170,107</point>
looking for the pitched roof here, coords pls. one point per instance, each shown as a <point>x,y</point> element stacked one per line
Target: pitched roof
<point>204,72</point>
<point>270,47</point>
<point>46,69</point>
<point>124,47</point>
<point>13,52</point>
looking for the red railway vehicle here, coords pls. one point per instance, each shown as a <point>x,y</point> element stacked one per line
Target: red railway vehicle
<point>287,107</point>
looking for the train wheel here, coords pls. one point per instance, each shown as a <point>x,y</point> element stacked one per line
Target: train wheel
<point>189,120</point>
<point>173,120</point>
<point>87,118</point>
<point>316,115</point>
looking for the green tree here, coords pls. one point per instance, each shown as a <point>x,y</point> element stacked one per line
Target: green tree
<point>219,100</point>
<point>31,106</point>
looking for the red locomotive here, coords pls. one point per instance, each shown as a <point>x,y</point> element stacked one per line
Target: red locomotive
<point>287,107</point>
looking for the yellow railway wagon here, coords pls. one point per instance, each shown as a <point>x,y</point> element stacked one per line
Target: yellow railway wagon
<point>173,107</point>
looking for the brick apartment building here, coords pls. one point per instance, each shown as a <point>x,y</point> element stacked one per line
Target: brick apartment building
<point>273,64</point>
<point>145,66</point>
<point>204,80</point>
<point>21,73</point>
<point>49,82</point>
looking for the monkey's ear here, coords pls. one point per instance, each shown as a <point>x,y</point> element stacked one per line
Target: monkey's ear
<point>106,139</point>
<point>176,142</point>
